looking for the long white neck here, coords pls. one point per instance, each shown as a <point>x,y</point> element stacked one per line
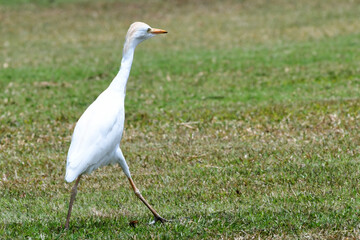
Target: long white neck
<point>119,82</point>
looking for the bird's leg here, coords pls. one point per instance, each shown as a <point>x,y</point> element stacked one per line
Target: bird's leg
<point>72,199</point>
<point>138,194</point>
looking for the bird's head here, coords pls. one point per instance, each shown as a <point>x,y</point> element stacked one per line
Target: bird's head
<point>139,32</point>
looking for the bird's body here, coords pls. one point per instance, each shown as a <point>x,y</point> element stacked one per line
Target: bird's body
<point>97,134</point>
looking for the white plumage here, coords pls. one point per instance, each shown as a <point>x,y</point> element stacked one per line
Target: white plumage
<point>97,134</point>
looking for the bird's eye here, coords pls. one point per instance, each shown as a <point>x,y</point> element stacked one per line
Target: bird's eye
<point>149,29</point>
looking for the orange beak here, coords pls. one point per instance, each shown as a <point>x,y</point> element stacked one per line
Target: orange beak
<point>157,31</point>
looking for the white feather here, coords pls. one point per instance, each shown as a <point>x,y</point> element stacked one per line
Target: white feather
<point>97,135</point>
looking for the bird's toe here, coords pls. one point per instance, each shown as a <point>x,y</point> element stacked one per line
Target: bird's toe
<point>158,219</point>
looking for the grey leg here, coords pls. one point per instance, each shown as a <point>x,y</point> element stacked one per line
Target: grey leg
<point>72,199</point>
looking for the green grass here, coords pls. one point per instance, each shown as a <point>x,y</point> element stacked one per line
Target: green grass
<point>242,122</point>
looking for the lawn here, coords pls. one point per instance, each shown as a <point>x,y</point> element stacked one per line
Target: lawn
<point>242,122</point>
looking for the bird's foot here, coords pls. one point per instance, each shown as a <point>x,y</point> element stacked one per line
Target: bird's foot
<point>158,219</point>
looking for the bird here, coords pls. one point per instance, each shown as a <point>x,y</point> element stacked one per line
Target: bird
<point>97,134</point>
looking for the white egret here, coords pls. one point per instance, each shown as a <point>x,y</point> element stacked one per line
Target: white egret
<point>96,138</point>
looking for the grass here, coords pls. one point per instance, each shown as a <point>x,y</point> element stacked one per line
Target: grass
<point>242,122</point>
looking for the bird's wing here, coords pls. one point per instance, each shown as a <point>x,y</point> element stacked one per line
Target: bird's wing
<point>97,133</point>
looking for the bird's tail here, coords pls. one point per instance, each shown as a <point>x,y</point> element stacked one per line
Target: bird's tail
<point>70,175</point>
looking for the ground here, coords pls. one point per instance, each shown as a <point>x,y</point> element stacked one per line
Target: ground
<point>242,122</point>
